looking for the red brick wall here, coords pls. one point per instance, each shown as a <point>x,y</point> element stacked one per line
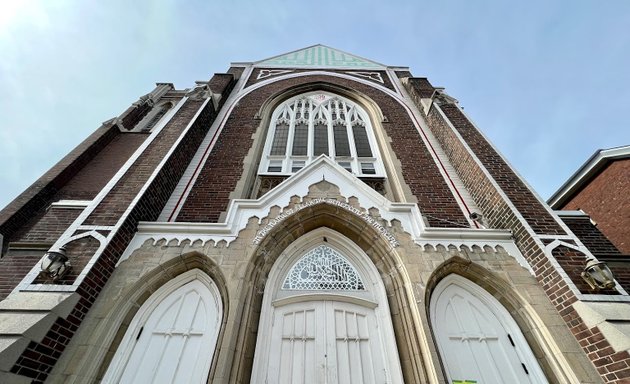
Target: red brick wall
<point>135,115</point>
<point>606,199</point>
<point>622,273</point>
<point>210,195</point>
<point>41,194</point>
<point>527,204</point>
<point>112,207</point>
<point>46,224</point>
<point>614,367</point>
<point>89,181</point>
<point>39,358</point>
<point>590,236</point>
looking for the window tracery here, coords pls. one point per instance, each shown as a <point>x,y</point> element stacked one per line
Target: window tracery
<point>309,125</point>
<point>323,268</point>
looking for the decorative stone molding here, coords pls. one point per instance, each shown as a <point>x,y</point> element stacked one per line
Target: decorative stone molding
<point>405,215</point>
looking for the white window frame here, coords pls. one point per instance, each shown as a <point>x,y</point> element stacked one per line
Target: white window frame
<point>316,101</point>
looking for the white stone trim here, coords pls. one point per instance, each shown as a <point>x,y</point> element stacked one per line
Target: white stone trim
<point>70,204</point>
<point>454,183</point>
<point>240,211</point>
<point>542,202</point>
<point>581,296</point>
<point>187,181</point>
<point>586,171</point>
<point>287,159</point>
<point>26,283</point>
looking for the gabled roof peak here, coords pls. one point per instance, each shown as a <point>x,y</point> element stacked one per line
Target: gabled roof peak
<point>319,56</point>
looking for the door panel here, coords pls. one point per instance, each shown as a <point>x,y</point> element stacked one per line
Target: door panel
<point>176,340</point>
<point>357,349</point>
<point>325,342</point>
<point>296,356</point>
<point>474,343</point>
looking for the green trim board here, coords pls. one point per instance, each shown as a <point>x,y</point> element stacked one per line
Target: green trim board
<point>319,56</point>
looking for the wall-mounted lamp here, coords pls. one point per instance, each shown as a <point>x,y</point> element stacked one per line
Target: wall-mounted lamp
<point>55,264</point>
<point>598,275</point>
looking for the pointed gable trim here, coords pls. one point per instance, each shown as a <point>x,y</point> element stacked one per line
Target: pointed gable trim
<point>319,56</point>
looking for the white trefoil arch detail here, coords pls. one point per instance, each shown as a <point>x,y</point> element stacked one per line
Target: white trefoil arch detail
<point>366,306</point>
<point>173,336</point>
<point>477,337</point>
<point>317,123</point>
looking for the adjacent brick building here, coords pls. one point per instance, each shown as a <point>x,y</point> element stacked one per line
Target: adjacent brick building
<point>311,217</point>
<point>600,188</point>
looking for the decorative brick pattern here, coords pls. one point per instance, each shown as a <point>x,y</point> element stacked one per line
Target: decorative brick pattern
<point>607,201</point>
<point>224,167</point>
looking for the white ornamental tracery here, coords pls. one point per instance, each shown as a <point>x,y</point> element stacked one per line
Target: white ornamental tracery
<point>320,123</point>
<point>323,268</point>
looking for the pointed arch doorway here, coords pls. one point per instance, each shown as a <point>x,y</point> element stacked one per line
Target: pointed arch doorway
<point>478,339</point>
<point>172,337</point>
<point>325,317</point>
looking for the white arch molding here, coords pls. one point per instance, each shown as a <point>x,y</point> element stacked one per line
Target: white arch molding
<point>477,338</point>
<point>320,335</point>
<point>173,336</point>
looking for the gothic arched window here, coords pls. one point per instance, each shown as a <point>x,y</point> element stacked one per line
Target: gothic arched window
<point>320,123</point>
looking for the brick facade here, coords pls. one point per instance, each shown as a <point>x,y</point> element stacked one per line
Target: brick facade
<point>39,358</point>
<point>224,167</point>
<point>606,200</point>
<point>536,277</point>
<point>526,212</point>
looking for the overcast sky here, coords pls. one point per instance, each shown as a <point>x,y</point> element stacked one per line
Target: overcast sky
<point>548,82</point>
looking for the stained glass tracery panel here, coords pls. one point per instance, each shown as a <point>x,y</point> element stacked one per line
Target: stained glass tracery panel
<point>323,268</point>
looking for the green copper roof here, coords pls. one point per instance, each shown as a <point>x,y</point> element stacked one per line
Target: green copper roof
<point>319,56</point>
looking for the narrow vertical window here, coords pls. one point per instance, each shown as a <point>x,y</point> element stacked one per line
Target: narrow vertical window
<point>361,141</point>
<point>342,147</point>
<point>300,140</point>
<point>321,139</point>
<point>279,147</point>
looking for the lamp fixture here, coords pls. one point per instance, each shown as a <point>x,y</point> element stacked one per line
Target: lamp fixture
<point>477,218</point>
<point>55,264</point>
<point>598,275</point>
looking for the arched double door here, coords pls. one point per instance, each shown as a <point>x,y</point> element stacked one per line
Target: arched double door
<point>325,318</point>
<point>173,336</point>
<point>478,339</point>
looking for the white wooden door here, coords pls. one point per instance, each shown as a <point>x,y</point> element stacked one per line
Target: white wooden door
<point>325,342</point>
<point>477,346</point>
<point>176,342</point>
